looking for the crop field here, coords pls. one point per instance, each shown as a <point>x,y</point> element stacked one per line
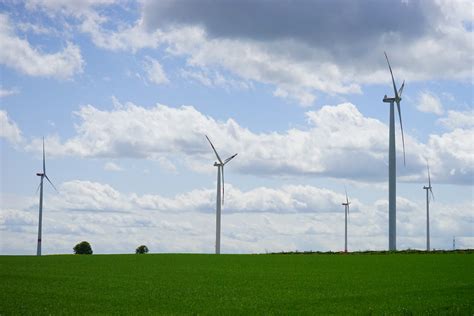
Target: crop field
<point>238,284</point>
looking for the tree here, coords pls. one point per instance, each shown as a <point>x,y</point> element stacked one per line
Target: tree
<point>83,248</point>
<point>141,250</point>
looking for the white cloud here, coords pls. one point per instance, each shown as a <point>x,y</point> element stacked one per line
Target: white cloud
<point>66,6</point>
<point>456,119</point>
<point>166,164</point>
<point>9,130</point>
<point>162,131</point>
<point>35,28</point>
<point>134,37</point>
<point>455,150</point>
<point>89,196</point>
<point>92,18</point>
<point>292,217</point>
<point>313,55</point>
<point>254,61</point>
<point>214,79</point>
<point>7,92</point>
<point>321,148</point>
<point>18,54</point>
<point>429,103</point>
<point>301,61</point>
<point>154,71</point>
<point>112,166</point>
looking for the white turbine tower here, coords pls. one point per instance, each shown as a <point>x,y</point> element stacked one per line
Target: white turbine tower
<point>220,199</point>
<point>428,188</point>
<point>392,163</point>
<point>40,222</point>
<point>346,212</point>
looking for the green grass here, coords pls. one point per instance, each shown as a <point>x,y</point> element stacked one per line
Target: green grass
<point>238,284</point>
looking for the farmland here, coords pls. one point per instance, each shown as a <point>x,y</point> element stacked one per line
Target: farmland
<point>238,284</point>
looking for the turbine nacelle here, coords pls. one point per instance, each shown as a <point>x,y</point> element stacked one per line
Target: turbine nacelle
<point>389,100</point>
<point>39,174</point>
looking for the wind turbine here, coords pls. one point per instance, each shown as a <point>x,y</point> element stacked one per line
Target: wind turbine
<point>40,221</point>
<point>428,188</point>
<point>220,199</point>
<point>346,212</point>
<point>392,163</point>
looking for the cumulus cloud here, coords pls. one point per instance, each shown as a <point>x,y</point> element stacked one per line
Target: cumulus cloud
<point>134,37</point>
<point>321,148</point>
<point>429,103</point>
<point>162,131</point>
<point>9,130</point>
<point>306,53</point>
<point>65,6</point>
<point>261,219</point>
<point>90,196</point>
<point>456,150</point>
<point>18,54</point>
<point>112,166</point>
<point>310,52</point>
<point>7,92</point>
<point>93,197</point>
<point>214,79</point>
<point>154,71</point>
<point>457,119</point>
<point>91,18</point>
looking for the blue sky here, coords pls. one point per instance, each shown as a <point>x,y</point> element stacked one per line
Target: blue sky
<point>123,93</point>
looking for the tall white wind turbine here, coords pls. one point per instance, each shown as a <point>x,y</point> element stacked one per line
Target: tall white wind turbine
<point>40,221</point>
<point>392,163</point>
<point>220,198</point>
<point>346,212</point>
<point>428,188</point>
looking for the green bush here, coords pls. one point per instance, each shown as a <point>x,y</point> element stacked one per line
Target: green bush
<point>82,248</point>
<point>141,250</point>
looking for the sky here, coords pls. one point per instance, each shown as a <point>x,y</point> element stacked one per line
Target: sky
<point>123,93</point>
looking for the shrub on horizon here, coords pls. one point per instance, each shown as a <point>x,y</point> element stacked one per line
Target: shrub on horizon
<point>83,248</point>
<point>141,250</point>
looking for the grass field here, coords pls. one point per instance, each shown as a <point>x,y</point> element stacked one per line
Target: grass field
<point>238,284</point>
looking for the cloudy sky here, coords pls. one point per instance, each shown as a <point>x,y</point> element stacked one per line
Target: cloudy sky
<point>125,91</point>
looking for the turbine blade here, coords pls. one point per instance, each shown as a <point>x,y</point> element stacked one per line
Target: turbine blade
<point>229,159</point>
<point>391,73</point>
<point>401,127</point>
<point>429,178</point>
<point>432,195</point>
<point>215,151</point>
<point>347,199</point>
<point>38,187</point>
<point>44,159</point>
<point>51,183</point>
<point>222,175</point>
<point>401,89</point>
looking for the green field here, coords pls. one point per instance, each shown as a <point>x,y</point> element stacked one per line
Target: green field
<point>238,284</point>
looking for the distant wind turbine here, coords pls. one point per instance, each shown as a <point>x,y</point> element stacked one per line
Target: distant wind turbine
<point>220,199</point>
<point>40,222</point>
<point>428,188</point>
<point>346,212</point>
<point>392,163</point>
